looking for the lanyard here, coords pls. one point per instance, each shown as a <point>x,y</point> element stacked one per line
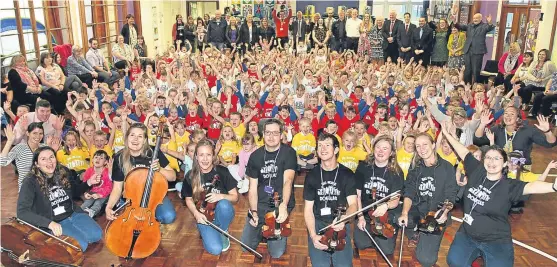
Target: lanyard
<point>275,163</point>
<point>507,137</point>
<point>475,203</point>
<point>373,173</point>
<point>334,180</point>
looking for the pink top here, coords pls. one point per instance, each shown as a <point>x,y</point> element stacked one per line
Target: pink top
<point>244,157</point>
<point>105,187</point>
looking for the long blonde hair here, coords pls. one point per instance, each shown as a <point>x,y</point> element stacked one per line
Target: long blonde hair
<point>125,156</point>
<point>195,173</point>
<point>392,164</point>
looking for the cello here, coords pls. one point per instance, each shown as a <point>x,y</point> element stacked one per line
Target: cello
<point>429,223</point>
<point>208,209</point>
<point>272,229</point>
<point>380,226</point>
<point>135,233</point>
<point>25,244</point>
<point>335,241</point>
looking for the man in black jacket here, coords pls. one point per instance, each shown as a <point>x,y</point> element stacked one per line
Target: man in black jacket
<point>404,38</point>
<point>422,38</point>
<point>389,32</point>
<point>475,47</point>
<point>339,33</point>
<point>216,31</point>
<point>430,182</point>
<point>298,29</point>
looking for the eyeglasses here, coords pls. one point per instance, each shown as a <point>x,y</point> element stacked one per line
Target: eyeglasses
<point>497,158</point>
<point>272,133</point>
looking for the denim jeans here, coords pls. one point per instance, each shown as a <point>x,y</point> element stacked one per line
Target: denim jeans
<point>82,228</point>
<point>164,213</point>
<point>320,258</point>
<point>464,250</point>
<point>251,236</point>
<point>224,214</point>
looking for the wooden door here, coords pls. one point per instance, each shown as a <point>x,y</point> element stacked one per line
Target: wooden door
<point>512,28</point>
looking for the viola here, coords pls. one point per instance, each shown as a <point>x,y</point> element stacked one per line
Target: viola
<point>272,229</point>
<point>208,209</point>
<point>335,241</point>
<point>429,223</point>
<point>380,226</point>
<point>24,244</point>
<point>136,233</point>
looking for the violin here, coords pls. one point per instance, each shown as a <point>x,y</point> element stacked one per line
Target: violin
<point>208,209</point>
<point>429,223</point>
<point>272,229</point>
<point>25,244</point>
<point>335,241</point>
<point>136,232</point>
<point>380,226</point>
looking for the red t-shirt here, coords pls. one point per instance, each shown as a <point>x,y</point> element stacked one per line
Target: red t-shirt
<point>233,105</point>
<point>193,123</point>
<point>344,124</point>
<point>326,119</point>
<point>213,127</point>
<point>267,110</point>
<point>135,73</point>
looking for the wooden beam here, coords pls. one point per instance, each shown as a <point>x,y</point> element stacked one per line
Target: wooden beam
<point>83,25</point>
<point>107,27</point>
<point>34,28</point>
<point>47,24</point>
<point>69,21</point>
<point>19,29</point>
<point>137,16</point>
<point>553,30</point>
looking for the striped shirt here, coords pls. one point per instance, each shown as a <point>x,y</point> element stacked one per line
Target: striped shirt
<point>23,156</point>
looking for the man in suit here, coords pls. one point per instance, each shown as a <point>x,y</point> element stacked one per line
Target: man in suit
<point>422,39</point>
<point>404,38</point>
<point>389,32</point>
<point>329,21</point>
<point>475,47</point>
<point>216,31</point>
<point>339,33</point>
<point>298,29</point>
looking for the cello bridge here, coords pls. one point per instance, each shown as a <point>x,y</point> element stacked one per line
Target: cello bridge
<point>129,214</point>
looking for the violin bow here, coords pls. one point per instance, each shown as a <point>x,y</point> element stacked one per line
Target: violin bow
<point>257,254</point>
<point>48,234</point>
<point>347,217</point>
<point>401,242</point>
<point>378,248</point>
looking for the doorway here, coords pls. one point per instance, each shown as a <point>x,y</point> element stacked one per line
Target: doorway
<point>518,24</point>
<point>197,9</point>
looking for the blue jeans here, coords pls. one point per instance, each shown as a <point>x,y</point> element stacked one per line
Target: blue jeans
<point>464,250</point>
<point>224,214</point>
<point>82,228</point>
<point>320,258</point>
<point>164,213</point>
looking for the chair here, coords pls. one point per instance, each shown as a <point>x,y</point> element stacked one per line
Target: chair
<point>490,70</point>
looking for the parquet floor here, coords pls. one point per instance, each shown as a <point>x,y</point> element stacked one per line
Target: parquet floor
<point>181,245</point>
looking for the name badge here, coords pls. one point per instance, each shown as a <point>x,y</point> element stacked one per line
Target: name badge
<point>325,211</point>
<point>59,210</point>
<point>269,189</point>
<point>280,29</point>
<point>468,219</point>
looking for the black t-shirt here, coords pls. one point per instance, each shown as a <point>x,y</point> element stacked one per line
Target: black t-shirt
<point>492,200</point>
<point>329,193</point>
<point>224,184</point>
<point>62,206</point>
<point>268,168</point>
<point>118,174</point>
<point>383,180</point>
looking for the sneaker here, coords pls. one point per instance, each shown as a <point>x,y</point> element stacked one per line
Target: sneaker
<point>90,212</point>
<point>225,242</point>
<point>243,186</point>
<point>413,241</point>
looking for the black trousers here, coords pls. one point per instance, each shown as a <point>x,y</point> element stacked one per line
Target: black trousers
<point>406,56</point>
<point>526,93</point>
<point>391,51</point>
<point>473,65</point>
<point>87,78</point>
<point>544,103</point>
<point>501,79</point>
<point>352,43</point>
<point>424,57</point>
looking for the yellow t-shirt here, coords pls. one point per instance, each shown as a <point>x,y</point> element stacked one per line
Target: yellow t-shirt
<point>351,158</point>
<point>451,158</point>
<point>360,144</point>
<point>404,160</point>
<point>77,160</point>
<point>525,176</point>
<point>258,142</point>
<point>172,161</point>
<point>229,150</point>
<point>93,149</point>
<point>181,140</point>
<point>239,131</point>
<point>118,140</point>
<point>152,138</point>
<point>304,144</point>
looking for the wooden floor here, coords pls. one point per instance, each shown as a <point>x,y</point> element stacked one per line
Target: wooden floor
<point>181,245</point>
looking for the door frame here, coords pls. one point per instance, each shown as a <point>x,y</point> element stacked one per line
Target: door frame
<point>513,8</point>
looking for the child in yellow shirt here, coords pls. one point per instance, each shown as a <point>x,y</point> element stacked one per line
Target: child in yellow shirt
<point>304,143</point>
<point>253,129</point>
<point>228,147</point>
<point>445,151</point>
<point>181,136</point>
<point>119,127</point>
<point>101,143</point>
<point>73,155</point>
<point>350,155</point>
<point>364,141</point>
<point>168,143</point>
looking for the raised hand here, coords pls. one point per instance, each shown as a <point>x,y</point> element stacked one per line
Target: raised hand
<point>490,136</point>
<point>543,123</point>
<point>9,132</point>
<point>486,119</point>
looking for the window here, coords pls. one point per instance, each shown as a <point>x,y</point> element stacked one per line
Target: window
<point>29,28</point>
<point>383,7</point>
